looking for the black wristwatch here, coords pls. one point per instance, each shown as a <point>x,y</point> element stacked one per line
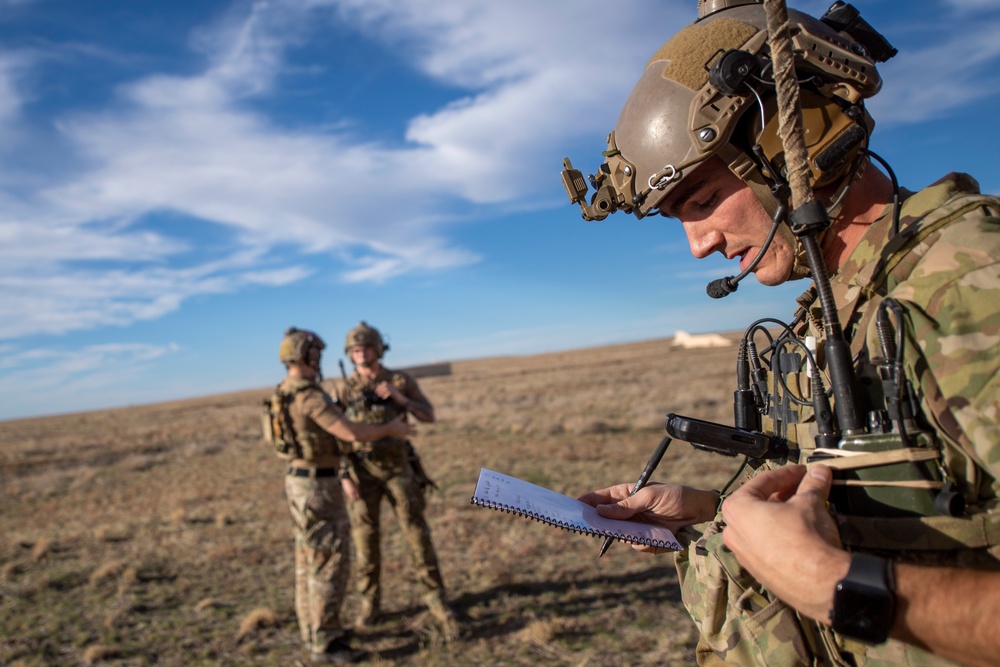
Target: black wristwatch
<point>864,602</point>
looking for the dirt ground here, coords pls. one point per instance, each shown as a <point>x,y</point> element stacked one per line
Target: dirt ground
<point>158,535</point>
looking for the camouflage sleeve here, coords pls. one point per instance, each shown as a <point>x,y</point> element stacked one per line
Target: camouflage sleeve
<point>953,343</point>
<point>419,405</point>
<point>320,408</point>
<point>412,390</point>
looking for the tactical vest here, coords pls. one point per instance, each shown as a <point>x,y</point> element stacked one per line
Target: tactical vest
<point>890,498</point>
<point>279,428</point>
<point>387,456</point>
<point>364,405</point>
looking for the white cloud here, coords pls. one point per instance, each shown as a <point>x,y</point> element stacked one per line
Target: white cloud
<point>67,364</point>
<point>73,299</point>
<point>9,98</point>
<point>191,146</point>
<point>32,248</point>
<point>531,68</point>
<point>973,5</point>
<point>93,376</point>
<point>80,245</point>
<point>12,68</point>
<point>954,72</point>
<point>536,77</point>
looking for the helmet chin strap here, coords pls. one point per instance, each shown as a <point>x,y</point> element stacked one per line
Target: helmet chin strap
<point>313,360</point>
<point>773,196</point>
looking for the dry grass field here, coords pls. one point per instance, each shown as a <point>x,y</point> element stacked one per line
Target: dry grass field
<point>158,535</point>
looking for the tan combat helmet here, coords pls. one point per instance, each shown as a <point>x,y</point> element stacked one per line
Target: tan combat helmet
<point>709,91</point>
<point>301,347</point>
<point>363,334</point>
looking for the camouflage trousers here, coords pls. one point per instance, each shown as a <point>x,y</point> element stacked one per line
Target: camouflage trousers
<point>742,623</point>
<point>322,556</point>
<point>393,481</point>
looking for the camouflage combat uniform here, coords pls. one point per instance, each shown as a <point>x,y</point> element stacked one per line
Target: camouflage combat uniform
<point>316,503</point>
<point>943,267</point>
<point>382,469</point>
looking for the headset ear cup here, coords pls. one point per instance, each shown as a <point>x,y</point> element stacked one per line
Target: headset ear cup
<point>833,139</point>
<point>730,72</point>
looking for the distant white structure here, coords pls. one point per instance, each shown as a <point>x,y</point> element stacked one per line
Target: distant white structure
<point>690,341</point>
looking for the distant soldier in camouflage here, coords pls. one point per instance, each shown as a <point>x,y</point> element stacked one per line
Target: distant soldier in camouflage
<point>763,575</point>
<point>310,431</point>
<point>388,468</point>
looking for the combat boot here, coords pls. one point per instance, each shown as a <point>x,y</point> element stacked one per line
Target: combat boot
<point>338,652</point>
<point>444,615</point>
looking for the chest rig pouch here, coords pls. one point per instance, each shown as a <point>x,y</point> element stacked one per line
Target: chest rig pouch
<point>898,486</point>
<point>366,406</point>
<point>277,426</point>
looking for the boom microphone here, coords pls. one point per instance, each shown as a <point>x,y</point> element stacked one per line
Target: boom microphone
<point>723,286</point>
<point>726,286</point>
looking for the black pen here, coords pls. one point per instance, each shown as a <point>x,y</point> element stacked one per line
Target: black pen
<point>654,461</point>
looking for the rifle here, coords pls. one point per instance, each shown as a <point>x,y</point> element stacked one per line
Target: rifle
<point>419,474</point>
<point>348,394</point>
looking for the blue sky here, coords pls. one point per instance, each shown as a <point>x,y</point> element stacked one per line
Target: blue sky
<point>180,181</point>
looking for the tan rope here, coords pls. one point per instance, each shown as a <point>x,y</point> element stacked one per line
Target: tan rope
<point>912,484</point>
<point>789,112</point>
<point>856,460</point>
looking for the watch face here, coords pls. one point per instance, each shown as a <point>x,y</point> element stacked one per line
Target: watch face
<point>862,612</point>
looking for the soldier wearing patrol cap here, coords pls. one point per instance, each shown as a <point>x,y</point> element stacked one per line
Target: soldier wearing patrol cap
<point>775,577</point>
<point>317,432</point>
<point>387,468</point>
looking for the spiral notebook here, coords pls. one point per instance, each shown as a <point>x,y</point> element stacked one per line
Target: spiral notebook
<point>510,494</point>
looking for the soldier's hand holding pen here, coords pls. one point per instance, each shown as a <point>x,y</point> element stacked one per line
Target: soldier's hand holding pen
<point>669,505</point>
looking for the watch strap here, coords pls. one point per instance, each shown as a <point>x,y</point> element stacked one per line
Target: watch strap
<point>865,599</point>
<point>871,571</point>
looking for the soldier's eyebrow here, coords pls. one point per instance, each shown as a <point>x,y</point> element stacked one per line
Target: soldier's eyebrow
<point>677,204</point>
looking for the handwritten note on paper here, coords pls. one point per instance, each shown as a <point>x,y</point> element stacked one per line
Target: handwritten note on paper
<point>511,494</point>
